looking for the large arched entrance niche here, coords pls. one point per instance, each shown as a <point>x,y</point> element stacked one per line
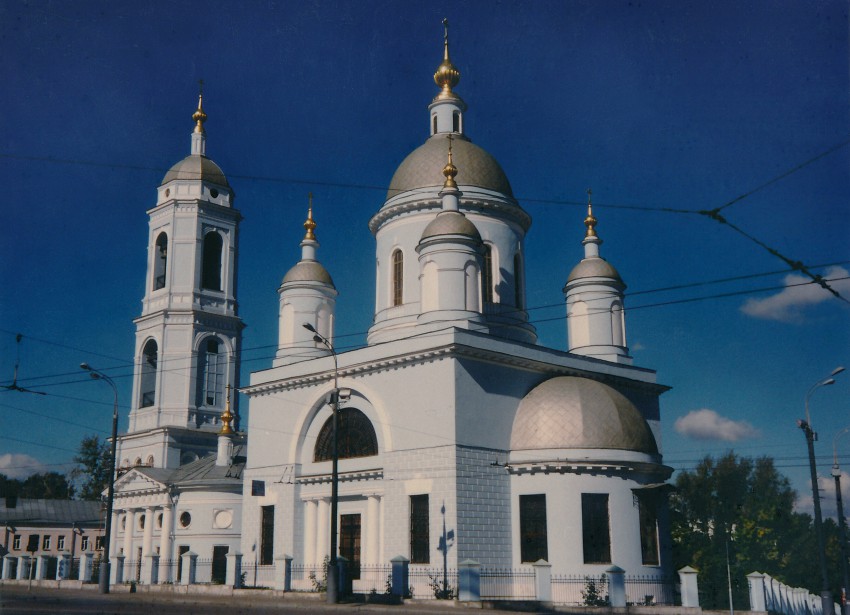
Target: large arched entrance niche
<point>360,446</point>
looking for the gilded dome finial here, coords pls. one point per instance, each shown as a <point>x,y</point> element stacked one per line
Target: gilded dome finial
<point>590,221</point>
<point>309,223</point>
<point>447,76</point>
<point>450,170</point>
<point>199,116</point>
<point>227,417</point>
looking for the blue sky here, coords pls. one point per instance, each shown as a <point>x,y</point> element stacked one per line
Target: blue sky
<point>657,106</point>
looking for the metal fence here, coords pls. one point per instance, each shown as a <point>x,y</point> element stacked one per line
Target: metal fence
<point>168,569</point>
<point>433,583</point>
<point>258,575</point>
<point>309,577</point>
<point>649,591</point>
<point>507,584</point>
<point>579,590</point>
<point>376,578</point>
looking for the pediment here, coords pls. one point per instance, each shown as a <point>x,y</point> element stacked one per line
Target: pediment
<point>135,482</point>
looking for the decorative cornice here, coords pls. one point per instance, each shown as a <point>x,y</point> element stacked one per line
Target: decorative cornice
<point>568,466</point>
<point>449,350</point>
<point>344,477</point>
<point>469,203</point>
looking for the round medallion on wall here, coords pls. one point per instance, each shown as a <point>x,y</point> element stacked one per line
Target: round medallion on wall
<point>185,519</point>
<point>223,519</point>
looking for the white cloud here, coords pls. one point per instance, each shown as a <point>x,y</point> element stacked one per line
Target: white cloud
<point>788,304</point>
<point>16,465</point>
<point>706,424</point>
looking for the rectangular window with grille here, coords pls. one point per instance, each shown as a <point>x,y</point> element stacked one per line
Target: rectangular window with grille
<point>420,537</point>
<point>46,544</point>
<point>16,543</point>
<point>648,511</point>
<point>84,543</point>
<point>596,530</point>
<point>534,540</point>
<point>267,535</point>
<point>60,543</point>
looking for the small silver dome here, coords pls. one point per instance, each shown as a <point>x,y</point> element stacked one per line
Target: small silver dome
<point>451,223</point>
<point>196,167</point>
<point>595,268</point>
<point>423,167</point>
<point>571,412</point>
<point>308,271</point>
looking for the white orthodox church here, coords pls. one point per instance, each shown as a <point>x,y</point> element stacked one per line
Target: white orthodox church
<point>459,436</point>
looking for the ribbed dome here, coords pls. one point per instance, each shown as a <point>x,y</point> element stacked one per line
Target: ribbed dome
<point>570,412</point>
<point>196,167</point>
<point>423,167</point>
<point>594,268</point>
<point>308,271</point>
<point>451,223</point>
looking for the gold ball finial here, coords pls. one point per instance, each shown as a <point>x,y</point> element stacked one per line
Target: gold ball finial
<point>199,116</point>
<point>590,221</point>
<point>309,223</point>
<point>450,170</point>
<point>227,417</point>
<point>447,76</point>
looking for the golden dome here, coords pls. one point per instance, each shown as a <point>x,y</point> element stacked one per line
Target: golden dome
<point>447,76</point>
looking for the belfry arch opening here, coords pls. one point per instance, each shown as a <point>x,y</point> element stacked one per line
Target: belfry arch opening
<point>211,261</point>
<point>160,261</point>
<point>147,389</point>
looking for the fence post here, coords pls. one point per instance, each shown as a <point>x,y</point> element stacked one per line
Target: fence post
<point>41,567</point>
<point>469,581</point>
<point>344,587</point>
<point>543,580</point>
<point>616,585</point>
<point>690,587</point>
<point>756,584</point>
<point>233,573</point>
<point>86,563</point>
<point>400,584</point>
<point>284,570</point>
<point>151,576</point>
<point>190,562</point>
<point>63,566</point>
<point>118,568</point>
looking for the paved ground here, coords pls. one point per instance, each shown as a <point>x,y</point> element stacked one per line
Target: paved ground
<point>17,600</point>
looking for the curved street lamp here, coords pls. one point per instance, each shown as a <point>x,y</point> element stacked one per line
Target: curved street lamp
<point>333,571</point>
<point>103,578</point>
<point>811,436</point>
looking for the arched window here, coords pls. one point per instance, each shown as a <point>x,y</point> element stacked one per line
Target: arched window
<point>456,121</point>
<point>149,461</point>
<point>487,275</point>
<point>398,277</point>
<point>355,438</point>
<point>147,389</point>
<point>160,259</point>
<point>211,264</point>
<point>518,295</point>
<point>211,362</point>
<point>434,124</point>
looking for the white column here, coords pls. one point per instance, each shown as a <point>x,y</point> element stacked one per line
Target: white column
<point>310,511</point>
<point>165,546</point>
<point>129,524</point>
<point>323,521</point>
<point>148,535</point>
<point>373,537</point>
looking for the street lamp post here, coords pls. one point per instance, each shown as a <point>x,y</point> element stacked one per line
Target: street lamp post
<point>826,594</point>
<point>842,524</point>
<point>333,570</point>
<point>103,579</point>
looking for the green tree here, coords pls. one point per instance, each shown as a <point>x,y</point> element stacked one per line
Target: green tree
<point>94,467</point>
<point>48,486</point>
<point>746,506</point>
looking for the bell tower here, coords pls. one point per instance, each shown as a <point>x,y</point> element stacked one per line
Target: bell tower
<point>189,335</point>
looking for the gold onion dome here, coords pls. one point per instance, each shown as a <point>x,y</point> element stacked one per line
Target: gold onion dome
<point>309,223</point>
<point>450,170</point>
<point>447,76</point>
<point>199,116</point>
<point>227,417</point>
<point>590,221</point>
